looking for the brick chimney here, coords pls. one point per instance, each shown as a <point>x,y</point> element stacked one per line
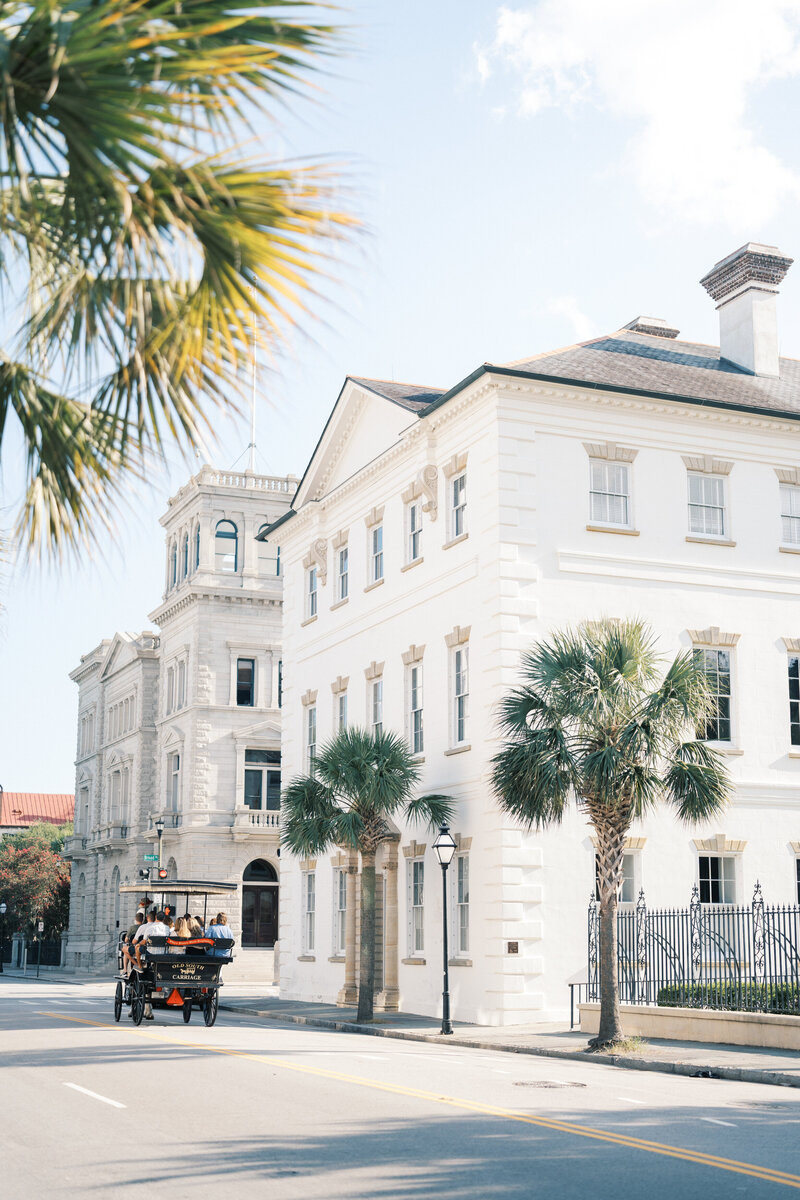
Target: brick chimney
<point>744,286</point>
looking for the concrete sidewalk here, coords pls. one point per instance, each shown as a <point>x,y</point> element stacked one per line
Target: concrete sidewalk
<point>749,1064</point>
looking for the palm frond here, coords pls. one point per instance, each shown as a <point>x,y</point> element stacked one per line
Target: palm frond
<point>697,782</point>
<point>433,809</point>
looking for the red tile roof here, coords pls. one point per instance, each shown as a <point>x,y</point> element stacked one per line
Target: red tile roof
<point>25,808</point>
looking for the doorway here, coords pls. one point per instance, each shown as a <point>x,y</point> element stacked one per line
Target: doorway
<point>259,905</point>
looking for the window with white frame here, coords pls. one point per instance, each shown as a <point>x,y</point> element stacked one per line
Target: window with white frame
<point>340,701</point>
<point>627,890</point>
<point>309,879</point>
<point>462,904</point>
<point>416,906</point>
<point>413,531</point>
<point>717,878</point>
<point>339,911</point>
<point>609,493</point>
<point>458,505</point>
<point>376,553</point>
<point>376,705</point>
<point>174,781</point>
<point>82,812</point>
<point>794,699</point>
<point>716,665</point>
<point>245,682</point>
<point>269,556</point>
<point>707,505</point>
<point>311,737</point>
<point>262,780</point>
<point>115,796</point>
<point>311,593</point>
<point>790,514</point>
<point>226,548</point>
<point>342,573</point>
<point>416,737</point>
<point>460,694</point>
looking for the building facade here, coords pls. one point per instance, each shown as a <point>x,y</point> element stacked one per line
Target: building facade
<point>437,534</point>
<point>183,724</point>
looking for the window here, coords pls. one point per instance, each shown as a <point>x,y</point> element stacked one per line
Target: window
<point>790,514</point>
<point>339,911</point>
<point>609,493</point>
<point>185,556</point>
<point>311,593</point>
<point>226,548</point>
<point>415,732</point>
<point>717,667</point>
<point>342,572</point>
<point>794,699</point>
<point>181,698</point>
<point>717,879</point>
<point>707,505</point>
<point>462,904</point>
<point>245,682</point>
<point>169,698</point>
<point>311,737</point>
<point>414,531</point>
<point>376,554</point>
<point>262,779</point>
<point>458,510</point>
<point>341,711</point>
<point>125,801</point>
<point>460,694</point>
<point>626,893</point>
<point>797,878</point>
<point>309,909</point>
<point>280,683</point>
<point>269,556</point>
<point>416,940</point>
<point>82,813</point>
<point>174,782</point>
<point>173,565</point>
<point>376,706</point>
<point>115,798</point>
<point>197,548</point>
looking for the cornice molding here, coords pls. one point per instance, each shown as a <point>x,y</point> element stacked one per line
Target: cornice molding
<point>719,844</point>
<point>712,637</point>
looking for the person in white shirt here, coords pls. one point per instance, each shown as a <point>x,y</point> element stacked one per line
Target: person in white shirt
<point>157,928</point>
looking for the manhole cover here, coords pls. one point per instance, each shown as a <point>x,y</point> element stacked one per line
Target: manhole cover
<point>547,1083</point>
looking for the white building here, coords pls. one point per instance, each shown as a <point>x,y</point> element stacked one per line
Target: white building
<point>437,533</point>
<point>184,725</point>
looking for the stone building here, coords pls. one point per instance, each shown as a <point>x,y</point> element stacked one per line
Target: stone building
<point>183,724</point>
<point>438,532</point>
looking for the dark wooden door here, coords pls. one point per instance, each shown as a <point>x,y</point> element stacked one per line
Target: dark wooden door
<point>259,915</point>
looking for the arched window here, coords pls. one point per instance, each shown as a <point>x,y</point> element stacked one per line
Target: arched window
<point>226,547</point>
<point>259,904</point>
<point>269,556</point>
<point>173,565</point>
<point>260,871</point>
<point>185,556</point>
<point>197,548</point>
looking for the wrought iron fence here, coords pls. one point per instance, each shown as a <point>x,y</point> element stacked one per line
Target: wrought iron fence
<point>704,956</point>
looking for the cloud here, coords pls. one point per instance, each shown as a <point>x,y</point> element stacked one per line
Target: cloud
<point>679,78</point>
<point>583,327</point>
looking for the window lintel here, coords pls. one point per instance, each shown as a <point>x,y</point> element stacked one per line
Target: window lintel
<point>706,464</point>
<point>712,636</point>
<point>610,451</point>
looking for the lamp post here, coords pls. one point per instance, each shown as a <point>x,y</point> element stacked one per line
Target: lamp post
<point>445,848</point>
<point>3,908</point>
<point>159,828</point>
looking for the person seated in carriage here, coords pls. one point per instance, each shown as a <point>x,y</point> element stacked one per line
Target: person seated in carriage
<point>156,928</point>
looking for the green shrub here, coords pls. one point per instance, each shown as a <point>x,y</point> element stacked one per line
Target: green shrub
<point>732,997</point>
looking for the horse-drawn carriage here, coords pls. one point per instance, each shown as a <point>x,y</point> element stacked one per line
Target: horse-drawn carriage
<point>176,972</point>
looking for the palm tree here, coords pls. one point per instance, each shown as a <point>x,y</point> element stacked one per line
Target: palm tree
<point>360,781</point>
<point>138,252</point>
<point>597,722</point>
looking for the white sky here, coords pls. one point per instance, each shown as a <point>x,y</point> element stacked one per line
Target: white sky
<point>530,175</point>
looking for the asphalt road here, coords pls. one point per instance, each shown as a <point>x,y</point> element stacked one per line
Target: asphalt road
<point>93,1109</point>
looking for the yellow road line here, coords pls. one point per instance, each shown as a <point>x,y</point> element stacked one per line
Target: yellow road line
<point>617,1139</point>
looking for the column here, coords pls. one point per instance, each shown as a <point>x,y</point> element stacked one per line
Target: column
<point>349,993</point>
<point>389,999</point>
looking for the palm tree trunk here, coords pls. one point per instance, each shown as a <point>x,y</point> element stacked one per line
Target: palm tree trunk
<point>366,977</point>
<point>610,848</point>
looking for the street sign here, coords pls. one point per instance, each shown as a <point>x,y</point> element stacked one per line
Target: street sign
<point>150,857</point>
<point>41,927</point>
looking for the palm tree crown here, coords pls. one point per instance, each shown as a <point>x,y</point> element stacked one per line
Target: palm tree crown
<point>596,721</point>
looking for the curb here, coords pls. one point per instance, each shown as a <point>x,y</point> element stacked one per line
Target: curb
<point>693,1070</point>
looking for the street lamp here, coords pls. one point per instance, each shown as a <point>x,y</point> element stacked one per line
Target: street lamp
<point>445,848</point>
<point>3,908</point>
<point>159,828</point>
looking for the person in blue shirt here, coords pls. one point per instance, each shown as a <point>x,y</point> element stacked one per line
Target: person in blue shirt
<point>219,928</point>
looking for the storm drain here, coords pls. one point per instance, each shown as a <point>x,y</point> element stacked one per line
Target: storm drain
<point>546,1083</point>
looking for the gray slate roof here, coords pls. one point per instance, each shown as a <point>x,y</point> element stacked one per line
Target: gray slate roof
<point>637,362</point>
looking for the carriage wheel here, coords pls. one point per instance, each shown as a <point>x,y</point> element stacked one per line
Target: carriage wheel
<point>138,1002</point>
<point>118,1001</point>
<point>211,1006</point>
<point>187,1009</point>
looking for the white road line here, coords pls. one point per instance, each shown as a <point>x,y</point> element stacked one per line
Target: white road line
<point>714,1121</point>
<point>628,1100</point>
<point>95,1095</point>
